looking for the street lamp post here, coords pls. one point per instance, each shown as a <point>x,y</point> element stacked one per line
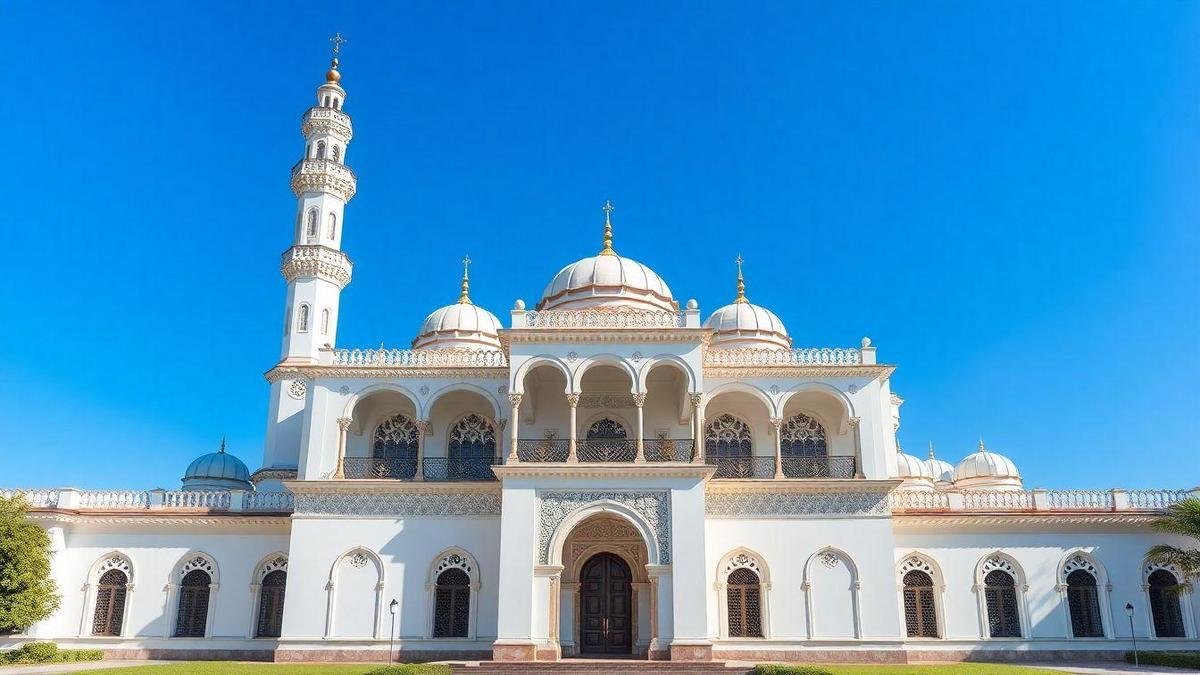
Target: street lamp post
<point>1129,613</point>
<point>392,635</point>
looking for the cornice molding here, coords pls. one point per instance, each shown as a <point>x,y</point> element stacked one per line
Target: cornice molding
<point>801,486</point>
<point>599,470</point>
<point>993,520</point>
<point>165,518</point>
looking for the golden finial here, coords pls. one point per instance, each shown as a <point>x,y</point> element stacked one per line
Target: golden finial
<point>332,75</point>
<point>608,248</point>
<point>463,297</point>
<point>741,282</point>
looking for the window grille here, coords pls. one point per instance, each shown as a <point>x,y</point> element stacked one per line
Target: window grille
<point>1000,592</point>
<point>270,604</point>
<point>727,436</point>
<point>110,603</point>
<point>606,429</point>
<point>1164,604</point>
<point>1083,603</point>
<point>452,604</point>
<point>192,617</point>
<point>802,436</point>
<point>744,603</point>
<point>395,437</point>
<point>920,615</point>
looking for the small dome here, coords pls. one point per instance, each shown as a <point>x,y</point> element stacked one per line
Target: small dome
<point>745,324</point>
<point>985,468</point>
<point>217,471</point>
<point>943,471</point>
<point>909,466</point>
<point>607,280</point>
<point>462,325</point>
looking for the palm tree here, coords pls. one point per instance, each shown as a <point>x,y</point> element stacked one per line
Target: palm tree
<point>1182,518</point>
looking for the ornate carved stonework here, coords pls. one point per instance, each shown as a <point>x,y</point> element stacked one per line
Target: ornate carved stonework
<point>323,175</point>
<point>653,505</point>
<point>409,503</point>
<point>795,505</point>
<point>607,401</point>
<point>317,261</point>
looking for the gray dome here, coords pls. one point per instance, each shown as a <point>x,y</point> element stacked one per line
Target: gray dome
<point>217,471</point>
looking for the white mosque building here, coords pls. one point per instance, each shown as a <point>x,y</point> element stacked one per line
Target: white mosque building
<point>607,472</point>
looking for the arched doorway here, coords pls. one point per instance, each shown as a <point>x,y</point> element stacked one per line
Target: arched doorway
<point>605,606</point>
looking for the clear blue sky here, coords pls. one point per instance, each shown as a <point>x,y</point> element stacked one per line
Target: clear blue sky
<point>1003,197</point>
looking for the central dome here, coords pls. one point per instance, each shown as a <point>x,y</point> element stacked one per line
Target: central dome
<point>463,325</point>
<point>607,280</point>
<point>742,324</point>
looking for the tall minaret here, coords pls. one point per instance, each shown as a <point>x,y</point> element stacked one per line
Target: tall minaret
<point>315,267</point>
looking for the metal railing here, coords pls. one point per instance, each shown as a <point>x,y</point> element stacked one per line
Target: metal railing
<point>380,467</point>
<point>606,450</point>
<point>818,467</point>
<point>668,449</point>
<point>813,356</point>
<point>604,318</point>
<point>743,467</point>
<point>1017,500</point>
<point>542,450</point>
<point>458,468</point>
<point>420,358</point>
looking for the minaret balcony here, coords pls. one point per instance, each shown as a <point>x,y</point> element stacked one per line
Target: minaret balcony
<point>317,261</point>
<point>324,175</point>
<point>320,120</point>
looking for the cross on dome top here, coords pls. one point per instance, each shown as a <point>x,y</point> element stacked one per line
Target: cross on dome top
<point>464,298</point>
<point>608,235</point>
<point>741,282</point>
<point>332,75</point>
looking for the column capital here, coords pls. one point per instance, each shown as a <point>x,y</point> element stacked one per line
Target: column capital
<point>423,426</point>
<point>344,423</point>
<point>573,400</point>
<point>639,400</point>
<point>514,398</point>
<point>776,422</point>
<point>696,397</point>
<point>854,422</point>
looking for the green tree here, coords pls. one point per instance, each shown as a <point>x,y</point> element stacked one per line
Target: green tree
<point>1182,518</point>
<point>27,593</point>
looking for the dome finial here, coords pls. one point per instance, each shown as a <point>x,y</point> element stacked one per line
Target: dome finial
<point>741,282</point>
<point>608,247</point>
<point>222,443</point>
<point>982,447</point>
<point>464,298</point>
<point>332,75</point>
<point>931,450</point>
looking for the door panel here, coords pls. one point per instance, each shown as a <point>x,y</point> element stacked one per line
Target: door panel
<point>605,607</point>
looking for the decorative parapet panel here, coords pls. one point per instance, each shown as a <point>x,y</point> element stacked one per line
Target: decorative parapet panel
<point>839,356</point>
<point>327,120</point>
<point>1035,501</point>
<point>324,175</point>
<point>420,358</point>
<point>232,501</point>
<point>317,261</point>
<point>603,318</point>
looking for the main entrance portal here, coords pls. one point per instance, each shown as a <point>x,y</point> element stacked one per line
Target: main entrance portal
<point>605,606</point>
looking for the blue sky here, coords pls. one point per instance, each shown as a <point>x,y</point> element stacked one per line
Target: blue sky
<point>1003,197</point>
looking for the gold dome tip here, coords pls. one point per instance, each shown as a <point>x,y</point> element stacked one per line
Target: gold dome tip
<point>332,75</point>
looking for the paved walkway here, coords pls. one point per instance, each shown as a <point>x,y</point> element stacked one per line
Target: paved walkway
<point>75,667</point>
<point>1095,668</point>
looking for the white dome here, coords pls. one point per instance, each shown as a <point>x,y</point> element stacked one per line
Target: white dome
<point>943,471</point>
<point>607,280</point>
<point>908,466</point>
<point>742,324</point>
<point>461,325</point>
<point>986,469</point>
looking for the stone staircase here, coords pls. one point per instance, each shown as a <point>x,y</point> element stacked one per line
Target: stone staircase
<point>598,667</point>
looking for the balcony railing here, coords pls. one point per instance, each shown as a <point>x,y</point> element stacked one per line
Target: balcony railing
<point>154,500</point>
<point>818,467</point>
<point>604,318</point>
<point>812,356</point>
<point>420,358</point>
<point>1017,501</point>
<point>743,467</point>
<point>668,449</point>
<point>542,450</point>
<point>458,468</point>
<point>606,450</point>
<point>403,468</point>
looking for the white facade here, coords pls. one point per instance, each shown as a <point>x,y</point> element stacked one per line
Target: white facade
<point>609,474</point>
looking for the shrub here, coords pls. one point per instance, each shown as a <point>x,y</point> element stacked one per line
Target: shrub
<point>1174,659</point>
<point>775,669</point>
<point>27,593</point>
<point>411,669</point>
<point>48,652</point>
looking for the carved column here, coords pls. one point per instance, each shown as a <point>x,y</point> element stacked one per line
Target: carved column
<point>422,431</point>
<point>572,434</point>
<point>514,400</point>
<point>777,423</point>
<point>500,426</point>
<point>697,428</point>
<point>639,400</point>
<point>858,458</point>
<point>344,425</point>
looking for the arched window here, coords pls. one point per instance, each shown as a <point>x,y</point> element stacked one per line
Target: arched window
<point>310,229</point>
<point>325,321</point>
<point>270,604</point>
<point>337,103</point>
<point>452,607</point>
<point>325,101</point>
<point>802,436</point>
<point>110,603</point>
<point>1083,602</point>
<point>191,619</point>
<point>287,320</point>
<point>332,226</point>
<point>728,436</point>
<point>394,448</point>
<point>337,153</point>
<point>302,319</point>
<point>1000,593</point>
<point>320,149</point>
<point>920,614</point>
<point>1164,589</point>
<point>607,429</point>
<point>472,448</point>
<point>744,603</point>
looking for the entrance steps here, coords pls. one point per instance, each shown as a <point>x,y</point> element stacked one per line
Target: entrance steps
<point>597,667</point>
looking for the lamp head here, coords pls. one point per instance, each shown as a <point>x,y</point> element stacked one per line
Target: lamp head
<point>392,606</point>
<point>1128,609</point>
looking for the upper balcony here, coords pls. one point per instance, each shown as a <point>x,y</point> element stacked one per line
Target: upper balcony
<point>324,175</point>
<point>319,120</point>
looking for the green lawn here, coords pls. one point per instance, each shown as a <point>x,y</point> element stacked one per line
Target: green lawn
<point>231,668</point>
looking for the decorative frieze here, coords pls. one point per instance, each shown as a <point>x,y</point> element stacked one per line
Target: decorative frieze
<point>784,357</point>
<point>318,261</point>
<point>789,504</point>
<point>420,358</point>
<point>605,318</point>
<point>654,506</point>
<point>432,503</point>
<point>323,175</point>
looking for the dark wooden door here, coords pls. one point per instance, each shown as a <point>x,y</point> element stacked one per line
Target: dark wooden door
<point>605,606</point>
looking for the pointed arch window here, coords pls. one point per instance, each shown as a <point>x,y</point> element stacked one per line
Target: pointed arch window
<point>802,436</point>
<point>728,436</point>
<point>1083,603</point>
<point>452,607</point>
<point>332,229</point>
<point>110,603</point>
<point>191,619</point>
<point>337,154</point>
<point>302,319</point>
<point>310,228</point>
<point>270,604</point>
<point>321,149</point>
<point>1000,593</point>
<point>472,448</point>
<point>1164,591</point>
<point>920,612</point>
<point>744,603</point>
<point>325,321</point>
<point>394,447</point>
